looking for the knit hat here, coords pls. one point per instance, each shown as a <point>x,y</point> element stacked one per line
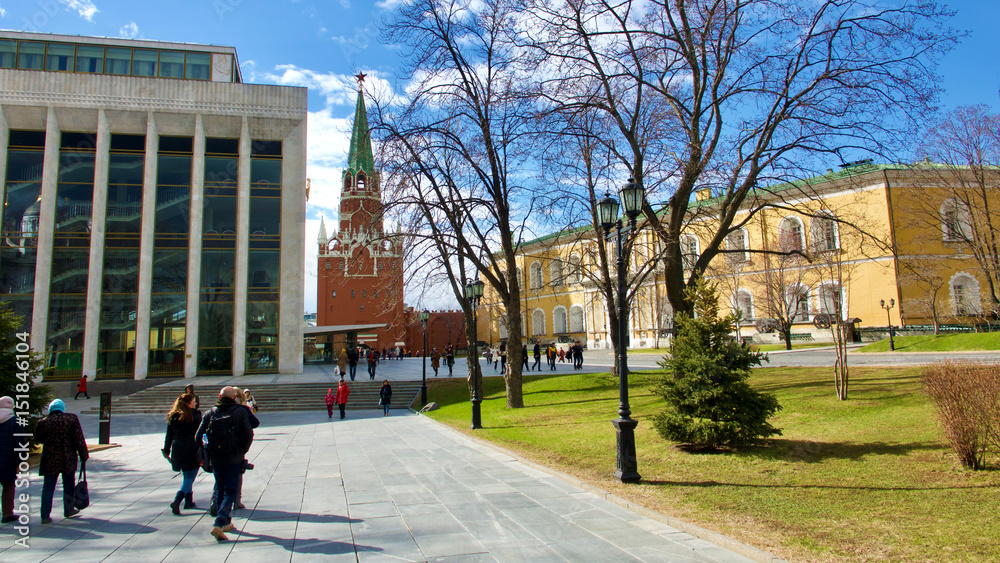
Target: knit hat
<point>57,405</point>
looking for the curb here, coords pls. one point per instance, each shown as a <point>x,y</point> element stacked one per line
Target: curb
<point>741,548</point>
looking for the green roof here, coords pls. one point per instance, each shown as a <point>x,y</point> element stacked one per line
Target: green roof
<point>360,158</point>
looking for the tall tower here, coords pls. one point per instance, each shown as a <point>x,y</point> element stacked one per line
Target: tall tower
<point>361,270</point>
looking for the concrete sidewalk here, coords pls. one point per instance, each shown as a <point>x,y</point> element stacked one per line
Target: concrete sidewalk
<point>368,488</point>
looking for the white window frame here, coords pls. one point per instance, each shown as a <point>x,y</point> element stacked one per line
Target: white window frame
<point>583,323</point>
<point>538,322</point>
<point>822,228</point>
<point>966,299</point>
<point>745,247</point>
<point>559,309</point>
<point>736,304</point>
<point>959,227</point>
<point>785,225</point>
<point>536,274</point>
<point>556,272</point>
<point>689,258</point>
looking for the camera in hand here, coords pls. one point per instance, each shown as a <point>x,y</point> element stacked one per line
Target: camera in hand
<point>246,465</point>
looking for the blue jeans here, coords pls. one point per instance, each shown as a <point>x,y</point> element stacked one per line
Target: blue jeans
<point>227,478</point>
<point>353,370</point>
<point>385,407</point>
<point>187,484</point>
<point>49,489</point>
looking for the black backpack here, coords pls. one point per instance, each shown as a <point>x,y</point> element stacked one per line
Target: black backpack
<point>223,439</point>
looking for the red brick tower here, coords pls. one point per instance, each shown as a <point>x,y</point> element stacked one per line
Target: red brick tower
<point>360,269</point>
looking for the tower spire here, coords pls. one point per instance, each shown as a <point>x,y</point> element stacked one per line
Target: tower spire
<point>360,158</point>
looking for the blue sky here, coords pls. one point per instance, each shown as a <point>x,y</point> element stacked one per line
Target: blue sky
<point>323,44</point>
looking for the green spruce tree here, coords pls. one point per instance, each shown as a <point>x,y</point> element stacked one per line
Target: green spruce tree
<point>709,401</point>
<point>19,368</point>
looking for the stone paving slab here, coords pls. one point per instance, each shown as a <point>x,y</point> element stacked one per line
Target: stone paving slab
<point>368,488</point>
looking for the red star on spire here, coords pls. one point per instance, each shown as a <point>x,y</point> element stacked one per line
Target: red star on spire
<point>360,76</point>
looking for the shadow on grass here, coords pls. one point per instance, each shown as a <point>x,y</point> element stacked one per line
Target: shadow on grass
<point>808,451</point>
<point>711,484</point>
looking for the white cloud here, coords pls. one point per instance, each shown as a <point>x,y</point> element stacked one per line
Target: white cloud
<point>3,13</point>
<point>85,8</point>
<point>345,4</point>
<point>248,70</point>
<point>389,4</point>
<point>130,30</point>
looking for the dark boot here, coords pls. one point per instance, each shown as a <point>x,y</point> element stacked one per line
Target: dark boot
<point>189,501</point>
<point>175,506</point>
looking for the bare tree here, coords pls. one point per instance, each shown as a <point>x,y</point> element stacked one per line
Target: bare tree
<point>739,93</point>
<point>962,209</point>
<point>462,133</point>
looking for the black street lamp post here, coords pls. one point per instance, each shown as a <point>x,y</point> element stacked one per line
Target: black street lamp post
<point>892,303</point>
<point>607,209</point>
<point>424,315</point>
<point>474,292</point>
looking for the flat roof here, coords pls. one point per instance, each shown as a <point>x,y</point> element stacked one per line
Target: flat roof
<point>339,329</point>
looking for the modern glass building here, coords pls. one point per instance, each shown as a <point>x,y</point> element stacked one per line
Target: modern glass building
<point>153,208</point>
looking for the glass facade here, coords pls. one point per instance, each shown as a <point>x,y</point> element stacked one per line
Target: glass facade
<point>98,59</point>
<point>218,257</point>
<point>71,253</point>
<point>120,278</point>
<point>170,256</point>
<point>20,220</point>
<point>264,257</point>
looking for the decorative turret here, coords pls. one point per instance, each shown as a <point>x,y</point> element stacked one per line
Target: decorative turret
<point>360,199</point>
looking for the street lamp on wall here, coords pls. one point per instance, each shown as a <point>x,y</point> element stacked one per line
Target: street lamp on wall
<point>892,303</point>
<point>607,211</point>
<point>424,316</point>
<point>473,293</point>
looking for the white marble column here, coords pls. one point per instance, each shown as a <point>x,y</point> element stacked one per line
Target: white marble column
<point>291,299</point>
<point>46,232</point>
<point>95,273</point>
<point>4,137</point>
<point>147,228</point>
<point>194,250</point>
<point>242,253</point>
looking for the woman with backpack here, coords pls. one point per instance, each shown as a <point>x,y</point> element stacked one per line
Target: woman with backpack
<point>385,394</point>
<point>181,450</point>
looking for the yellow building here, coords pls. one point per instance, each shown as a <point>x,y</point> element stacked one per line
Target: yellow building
<point>839,244</point>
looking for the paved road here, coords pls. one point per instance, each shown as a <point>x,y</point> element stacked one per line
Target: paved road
<point>368,488</point>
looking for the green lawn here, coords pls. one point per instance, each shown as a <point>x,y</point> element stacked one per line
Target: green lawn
<point>966,342</point>
<point>759,347</point>
<point>868,479</point>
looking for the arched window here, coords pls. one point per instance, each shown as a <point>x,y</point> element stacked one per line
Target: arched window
<point>520,278</point>
<point>689,251</point>
<point>791,235</point>
<point>556,272</point>
<point>576,319</point>
<point>361,182</point>
<point>575,273</point>
<point>743,301</point>
<point>798,303</point>
<point>536,275</point>
<point>956,221</point>
<point>831,300</point>
<point>823,230</point>
<point>965,295</point>
<point>538,323</point>
<point>502,329</point>
<point>738,241</point>
<point>559,320</point>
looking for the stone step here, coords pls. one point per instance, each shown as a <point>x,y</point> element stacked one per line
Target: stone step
<point>273,397</point>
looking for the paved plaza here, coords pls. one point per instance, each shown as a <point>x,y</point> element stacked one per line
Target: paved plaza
<point>368,488</point>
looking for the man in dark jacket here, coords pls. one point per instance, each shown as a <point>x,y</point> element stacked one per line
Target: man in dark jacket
<point>226,457</point>
<point>352,361</point>
<point>537,352</point>
<point>62,439</point>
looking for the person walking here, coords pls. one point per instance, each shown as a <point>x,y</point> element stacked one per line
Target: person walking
<point>62,439</point>
<point>342,393</point>
<point>229,436</point>
<point>435,361</point>
<point>352,361</point>
<point>524,358</point>
<point>537,352</point>
<point>550,356</point>
<point>562,355</point>
<point>250,402</point>
<point>503,357</point>
<point>189,390</point>
<point>81,388</point>
<point>342,362</point>
<point>384,396</point>
<point>181,450</point>
<point>578,356</point>
<point>331,400</point>
<point>243,400</point>
<point>8,457</point>
<point>449,354</point>
<point>372,363</point>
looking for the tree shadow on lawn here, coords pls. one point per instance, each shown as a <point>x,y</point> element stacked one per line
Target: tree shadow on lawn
<point>866,383</point>
<point>710,484</point>
<point>809,451</point>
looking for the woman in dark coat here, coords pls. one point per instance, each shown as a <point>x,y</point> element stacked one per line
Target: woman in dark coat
<point>181,449</point>
<point>63,442</point>
<point>8,457</point>
<point>385,394</point>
